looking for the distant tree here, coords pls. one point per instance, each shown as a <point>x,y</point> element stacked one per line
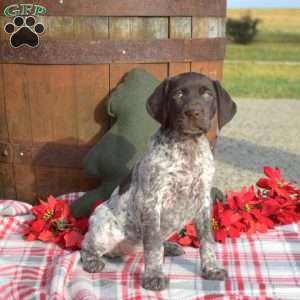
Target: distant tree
<point>243,30</point>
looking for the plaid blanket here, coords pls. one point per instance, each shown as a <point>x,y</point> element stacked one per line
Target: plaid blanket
<point>263,266</point>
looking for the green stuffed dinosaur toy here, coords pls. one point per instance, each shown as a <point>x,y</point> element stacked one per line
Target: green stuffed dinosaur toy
<point>114,155</point>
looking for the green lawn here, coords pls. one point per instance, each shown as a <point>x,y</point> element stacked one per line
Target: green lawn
<point>265,51</point>
<point>278,41</point>
<point>248,79</point>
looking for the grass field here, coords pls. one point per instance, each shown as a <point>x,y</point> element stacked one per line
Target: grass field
<point>269,67</point>
<point>248,79</point>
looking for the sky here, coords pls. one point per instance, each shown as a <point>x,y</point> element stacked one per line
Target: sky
<point>263,3</point>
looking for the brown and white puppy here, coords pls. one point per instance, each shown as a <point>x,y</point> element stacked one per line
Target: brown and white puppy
<point>168,187</point>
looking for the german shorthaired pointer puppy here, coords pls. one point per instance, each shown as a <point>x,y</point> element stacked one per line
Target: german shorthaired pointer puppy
<point>168,187</point>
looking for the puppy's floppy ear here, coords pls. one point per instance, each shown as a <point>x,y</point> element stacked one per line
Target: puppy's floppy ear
<point>226,106</point>
<point>157,103</point>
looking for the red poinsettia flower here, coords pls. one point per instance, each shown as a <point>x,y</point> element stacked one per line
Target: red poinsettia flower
<point>186,237</point>
<point>54,223</point>
<point>185,241</point>
<point>275,183</point>
<point>246,211</point>
<point>191,232</point>
<point>174,237</point>
<point>73,239</point>
<point>196,243</point>
<point>248,205</point>
<point>225,222</point>
<point>281,210</point>
<point>244,200</point>
<point>52,208</point>
<point>81,223</point>
<point>34,229</point>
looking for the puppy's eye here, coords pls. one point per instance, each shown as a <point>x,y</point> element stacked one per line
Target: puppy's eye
<point>202,90</point>
<point>178,94</point>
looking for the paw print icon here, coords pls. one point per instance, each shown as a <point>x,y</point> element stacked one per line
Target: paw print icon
<point>24,31</point>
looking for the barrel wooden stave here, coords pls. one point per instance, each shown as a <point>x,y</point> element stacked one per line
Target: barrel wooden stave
<point>51,114</point>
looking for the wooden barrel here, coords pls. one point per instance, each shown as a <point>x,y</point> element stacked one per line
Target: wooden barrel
<point>52,97</point>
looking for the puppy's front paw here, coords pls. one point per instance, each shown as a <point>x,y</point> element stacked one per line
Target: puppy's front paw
<point>214,273</point>
<point>91,263</point>
<point>155,281</point>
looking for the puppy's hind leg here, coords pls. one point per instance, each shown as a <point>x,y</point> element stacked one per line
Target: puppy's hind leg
<point>90,262</point>
<point>103,236</point>
<point>91,254</point>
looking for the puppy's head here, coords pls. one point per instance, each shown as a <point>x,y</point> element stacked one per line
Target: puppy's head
<point>187,103</point>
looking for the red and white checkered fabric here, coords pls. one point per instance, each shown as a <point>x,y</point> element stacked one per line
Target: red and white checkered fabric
<point>264,266</point>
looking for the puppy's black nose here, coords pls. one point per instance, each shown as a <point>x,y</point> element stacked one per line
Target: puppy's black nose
<point>193,113</point>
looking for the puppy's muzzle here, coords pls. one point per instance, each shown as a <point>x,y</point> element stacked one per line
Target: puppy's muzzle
<point>195,120</point>
<point>193,114</point>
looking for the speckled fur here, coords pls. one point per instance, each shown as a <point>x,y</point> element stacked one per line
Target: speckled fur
<point>170,186</point>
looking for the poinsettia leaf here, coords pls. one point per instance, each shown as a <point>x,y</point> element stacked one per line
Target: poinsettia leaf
<point>52,201</point>
<point>73,239</point>
<point>231,202</point>
<point>81,223</point>
<point>58,238</point>
<point>269,223</point>
<point>43,203</point>
<point>30,236</point>
<point>234,232</point>
<point>277,172</point>
<point>38,225</point>
<point>46,236</point>
<point>269,171</point>
<point>263,183</point>
<point>235,218</point>
<point>62,209</point>
<point>196,243</point>
<point>251,228</point>
<point>38,210</point>
<point>218,209</point>
<point>220,235</point>
<point>239,226</point>
<point>282,192</point>
<point>174,237</point>
<point>190,230</point>
<point>185,241</point>
<point>229,217</point>
<point>260,227</point>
